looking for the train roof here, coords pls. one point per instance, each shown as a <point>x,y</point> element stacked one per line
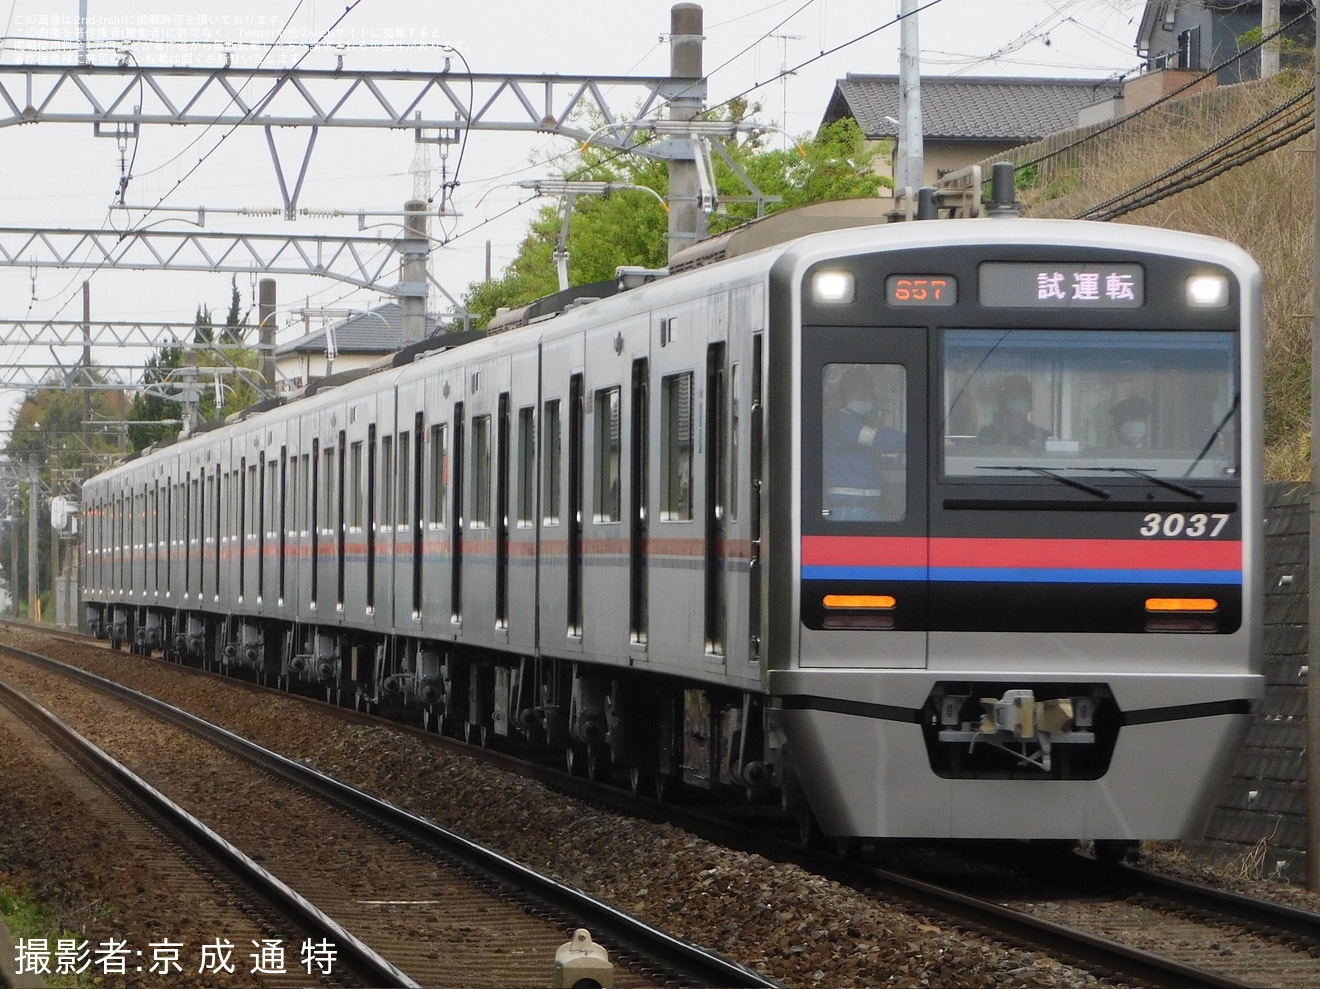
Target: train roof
<point>836,214</point>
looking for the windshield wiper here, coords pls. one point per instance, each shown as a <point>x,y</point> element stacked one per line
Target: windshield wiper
<point>1053,475</point>
<point>1144,474</point>
<point>1214,437</point>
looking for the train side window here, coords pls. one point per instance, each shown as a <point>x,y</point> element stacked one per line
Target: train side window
<point>526,467</point>
<point>551,453</point>
<point>355,473</point>
<point>676,447</point>
<point>480,511</point>
<point>328,486</point>
<point>607,493</point>
<point>274,479</point>
<point>290,513</point>
<point>307,508</point>
<point>863,442</point>
<point>219,509</point>
<point>404,491</point>
<point>439,473</point>
<point>387,480</point>
<point>735,432</point>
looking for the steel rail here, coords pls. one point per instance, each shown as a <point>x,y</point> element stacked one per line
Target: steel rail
<point>692,964</point>
<point>361,959</point>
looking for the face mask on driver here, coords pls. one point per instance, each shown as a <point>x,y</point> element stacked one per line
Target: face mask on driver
<point>1132,432</point>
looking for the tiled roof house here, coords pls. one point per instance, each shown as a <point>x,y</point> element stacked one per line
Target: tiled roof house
<point>966,119</point>
<point>359,340</point>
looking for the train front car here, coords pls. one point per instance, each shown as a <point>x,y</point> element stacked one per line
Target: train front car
<point>1024,599</point>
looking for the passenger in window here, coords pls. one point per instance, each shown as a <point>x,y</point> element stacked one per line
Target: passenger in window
<point>1012,425</point>
<point>855,442</point>
<point>1131,419</point>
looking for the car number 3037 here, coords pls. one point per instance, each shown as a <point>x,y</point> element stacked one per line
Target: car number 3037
<point>1178,524</point>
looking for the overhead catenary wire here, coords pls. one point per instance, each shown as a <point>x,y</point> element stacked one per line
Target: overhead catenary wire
<point>228,132</point>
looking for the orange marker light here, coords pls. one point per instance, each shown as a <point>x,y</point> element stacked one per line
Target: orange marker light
<point>1168,605</point>
<point>875,602</point>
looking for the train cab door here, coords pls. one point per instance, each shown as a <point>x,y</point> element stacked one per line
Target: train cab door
<point>865,520</point>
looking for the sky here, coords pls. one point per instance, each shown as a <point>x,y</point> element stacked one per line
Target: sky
<point>62,176</point>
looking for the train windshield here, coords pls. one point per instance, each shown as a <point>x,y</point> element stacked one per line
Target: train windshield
<point>1086,403</point>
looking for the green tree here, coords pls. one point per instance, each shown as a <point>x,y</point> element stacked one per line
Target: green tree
<point>157,415</point>
<point>236,318</point>
<point>49,432</point>
<point>629,226</point>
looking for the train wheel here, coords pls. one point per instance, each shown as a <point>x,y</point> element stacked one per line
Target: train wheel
<point>662,786</point>
<point>575,759</point>
<point>809,835</point>
<point>1117,851</point>
<point>598,763</point>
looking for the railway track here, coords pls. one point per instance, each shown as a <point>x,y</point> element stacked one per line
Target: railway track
<point>1267,946</point>
<point>395,880</point>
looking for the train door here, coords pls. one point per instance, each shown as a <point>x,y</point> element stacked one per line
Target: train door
<point>384,511</point>
<point>153,533</point>
<point>408,444</point>
<point>307,584</point>
<point>715,509</point>
<point>330,535</point>
<point>357,573</point>
<point>522,506</point>
<point>484,558</point>
<point>675,584</point>
<point>443,392</point>
<point>416,520</point>
<point>286,520</point>
<point>271,530</point>
<point>639,493</point>
<point>605,493</point>
<point>561,365</point>
<point>213,569</point>
<point>249,505</point>
<point>576,441</point>
<point>195,557</point>
<point>864,515</point>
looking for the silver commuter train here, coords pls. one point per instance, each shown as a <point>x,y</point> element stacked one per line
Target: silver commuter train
<point>850,520</point>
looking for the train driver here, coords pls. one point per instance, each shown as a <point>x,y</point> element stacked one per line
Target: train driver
<point>1131,421</point>
<point>856,442</point>
<point>1012,425</point>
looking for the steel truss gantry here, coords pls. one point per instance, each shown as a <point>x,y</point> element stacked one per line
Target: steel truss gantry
<point>58,349</point>
<point>118,100</point>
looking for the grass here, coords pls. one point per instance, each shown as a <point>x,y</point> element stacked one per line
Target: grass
<point>1265,206</point>
<point>27,918</point>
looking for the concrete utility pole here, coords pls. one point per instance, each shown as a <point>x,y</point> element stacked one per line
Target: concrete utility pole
<point>87,363</point>
<point>1269,51</point>
<point>55,569</point>
<point>266,331</point>
<point>1313,578</point>
<point>687,222</point>
<point>15,503</point>
<point>911,152</point>
<point>415,247</point>
<point>34,500</point>
<point>82,32</point>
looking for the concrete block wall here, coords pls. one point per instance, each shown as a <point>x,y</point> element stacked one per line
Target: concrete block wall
<point>1260,817</point>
